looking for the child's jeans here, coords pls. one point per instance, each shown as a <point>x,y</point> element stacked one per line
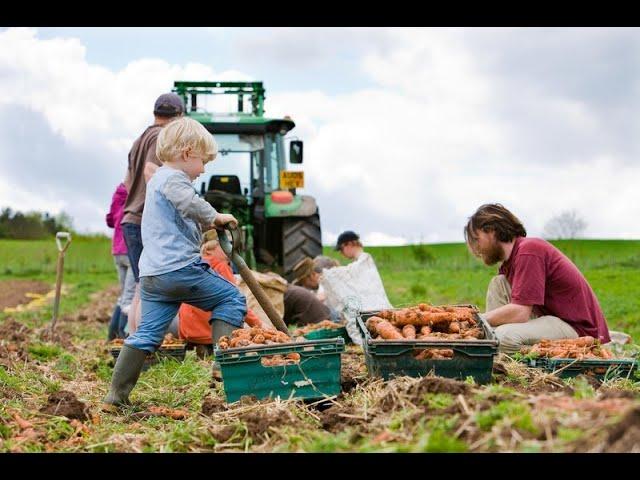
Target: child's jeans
<point>196,284</point>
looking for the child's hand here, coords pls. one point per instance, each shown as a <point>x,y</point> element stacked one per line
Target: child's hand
<point>223,219</point>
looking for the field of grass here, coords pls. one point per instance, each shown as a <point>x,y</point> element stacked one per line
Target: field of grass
<point>437,273</point>
<point>401,415</point>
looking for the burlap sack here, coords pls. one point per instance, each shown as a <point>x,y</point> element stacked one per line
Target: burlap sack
<point>273,285</point>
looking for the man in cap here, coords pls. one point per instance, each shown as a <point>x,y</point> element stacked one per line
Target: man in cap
<point>349,245</point>
<point>143,162</point>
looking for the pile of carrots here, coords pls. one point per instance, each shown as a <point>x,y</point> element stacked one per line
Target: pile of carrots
<point>277,360</point>
<point>169,339</point>
<point>425,322</point>
<point>434,354</point>
<point>324,324</point>
<point>579,348</point>
<point>245,337</point>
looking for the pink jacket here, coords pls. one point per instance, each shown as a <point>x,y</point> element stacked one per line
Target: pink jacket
<point>113,220</point>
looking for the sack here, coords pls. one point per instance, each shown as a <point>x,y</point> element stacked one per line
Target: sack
<point>354,288</point>
<point>274,287</point>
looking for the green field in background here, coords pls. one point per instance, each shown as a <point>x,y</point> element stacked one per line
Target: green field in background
<point>436,273</point>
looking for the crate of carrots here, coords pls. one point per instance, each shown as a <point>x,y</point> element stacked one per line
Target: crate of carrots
<point>571,357</point>
<point>448,340</point>
<point>268,363</point>
<point>171,347</point>
<point>323,329</point>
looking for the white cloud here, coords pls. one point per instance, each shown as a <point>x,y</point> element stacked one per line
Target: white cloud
<point>455,118</point>
<point>95,113</point>
<point>382,239</point>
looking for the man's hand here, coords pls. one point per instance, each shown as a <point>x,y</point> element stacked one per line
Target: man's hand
<point>223,219</point>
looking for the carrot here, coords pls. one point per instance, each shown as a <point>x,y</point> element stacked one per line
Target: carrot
<point>388,331</point>
<point>409,331</point>
<point>372,322</point>
<point>425,330</point>
<point>454,327</point>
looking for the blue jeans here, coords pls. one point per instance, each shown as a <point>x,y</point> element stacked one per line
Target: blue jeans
<point>196,284</point>
<point>132,234</point>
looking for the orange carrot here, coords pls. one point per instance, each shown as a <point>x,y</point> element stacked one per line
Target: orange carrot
<point>409,331</point>
<point>387,331</point>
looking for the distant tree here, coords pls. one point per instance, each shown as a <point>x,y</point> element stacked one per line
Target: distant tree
<point>567,224</point>
<point>32,225</point>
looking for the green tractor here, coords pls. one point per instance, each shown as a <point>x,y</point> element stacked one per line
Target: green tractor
<point>250,178</point>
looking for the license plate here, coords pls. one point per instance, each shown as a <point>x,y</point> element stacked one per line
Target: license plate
<point>289,179</point>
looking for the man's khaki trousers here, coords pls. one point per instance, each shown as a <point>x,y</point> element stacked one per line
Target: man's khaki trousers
<point>513,336</point>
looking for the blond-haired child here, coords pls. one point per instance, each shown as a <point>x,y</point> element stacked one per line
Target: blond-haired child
<point>172,271</point>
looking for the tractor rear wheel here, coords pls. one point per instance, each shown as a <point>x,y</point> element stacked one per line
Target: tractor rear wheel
<point>301,237</point>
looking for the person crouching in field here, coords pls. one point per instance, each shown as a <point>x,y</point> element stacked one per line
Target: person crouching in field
<point>538,292</point>
<point>171,269</point>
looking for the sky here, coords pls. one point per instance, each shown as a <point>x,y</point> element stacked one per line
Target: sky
<point>407,131</point>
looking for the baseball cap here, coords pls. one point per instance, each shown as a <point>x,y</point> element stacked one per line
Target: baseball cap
<point>168,105</point>
<point>345,237</point>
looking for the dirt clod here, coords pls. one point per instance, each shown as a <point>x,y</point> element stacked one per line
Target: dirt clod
<point>212,405</point>
<point>259,423</point>
<point>337,418</point>
<point>12,331</point>
<point>624,437</point>
<point>439,385</point>
<point>65,404</point>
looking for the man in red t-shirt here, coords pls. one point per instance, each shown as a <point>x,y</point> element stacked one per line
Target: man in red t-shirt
<point>538,292</point>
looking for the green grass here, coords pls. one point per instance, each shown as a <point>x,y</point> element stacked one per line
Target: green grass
<point>38,258</point>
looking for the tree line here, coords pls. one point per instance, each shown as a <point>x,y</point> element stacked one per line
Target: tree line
<point>32,225</point>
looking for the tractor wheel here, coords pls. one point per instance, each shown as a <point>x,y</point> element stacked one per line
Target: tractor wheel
<point>301,237</point>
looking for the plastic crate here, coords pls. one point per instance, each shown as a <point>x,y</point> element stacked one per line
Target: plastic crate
<point>600,369</point>
<point>175,352</point>
<point>389,358</point>
<point>323,333</point>
<point>316,375</point>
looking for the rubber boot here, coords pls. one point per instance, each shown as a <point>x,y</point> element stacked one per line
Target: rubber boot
<point>125,376</point>
<point>219,329</point>
<point>114,323</point>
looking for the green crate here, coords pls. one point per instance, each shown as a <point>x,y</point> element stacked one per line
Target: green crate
<point>388,358</point>
<point>328,333</point>
<point>175,352</point>
<point>598,368</point>
<point>317,375</point>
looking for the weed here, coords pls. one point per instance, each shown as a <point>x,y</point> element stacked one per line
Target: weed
<point>438,400</point>
<point>45,351</point>
<point>518,414</point>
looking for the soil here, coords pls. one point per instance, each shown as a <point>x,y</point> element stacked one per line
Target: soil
<point>224,434</point>
<point>260,422</point>
<point>439,385</point>
<point>13,292</point>
<point>334,420</point>
<point>100,308</point>
<point>59,336</point>
<point>12,331</point>
<point>624,437</point>
<point>212,405</point>
<point>14,338</point>
<point>65,404</point>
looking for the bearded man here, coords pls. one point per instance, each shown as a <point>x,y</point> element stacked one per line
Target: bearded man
<point>538,293</point>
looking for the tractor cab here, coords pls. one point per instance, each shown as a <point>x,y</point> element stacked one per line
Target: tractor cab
<point>250,177</point>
